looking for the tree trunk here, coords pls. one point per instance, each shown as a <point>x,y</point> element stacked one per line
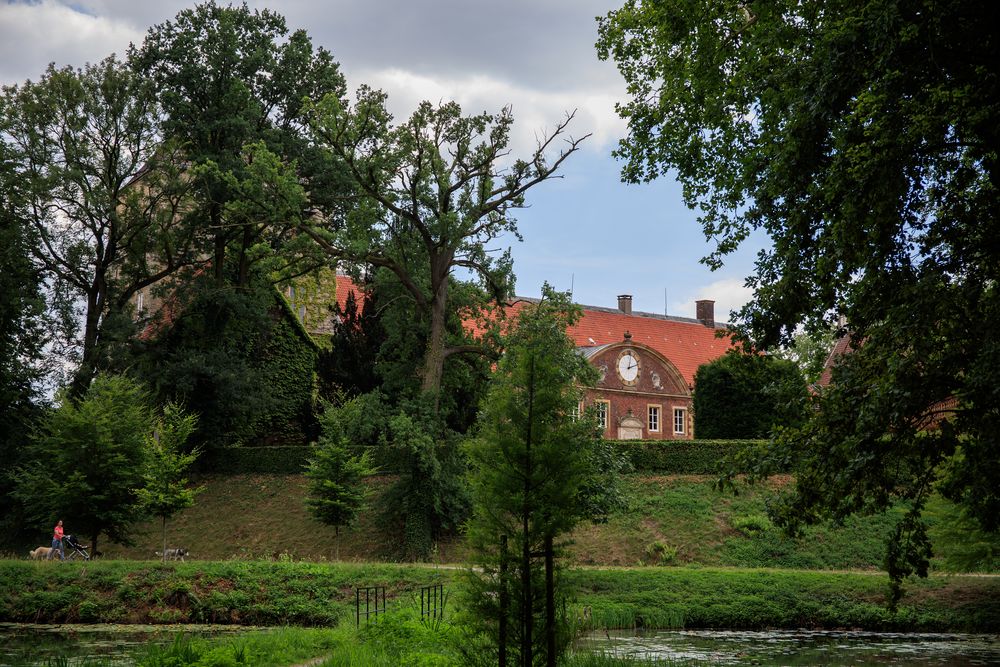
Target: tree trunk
<point>88,362</point>
<point>504,602</point>
<point>527,608</point>
<point>434,352</point>
<point>163,526</point>
<point>336,543</point>
<point>93,545</point>
<point>550,604</point>
<point>215,215</point>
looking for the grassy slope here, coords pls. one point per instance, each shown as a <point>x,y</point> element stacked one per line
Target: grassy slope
<point>672,521</point>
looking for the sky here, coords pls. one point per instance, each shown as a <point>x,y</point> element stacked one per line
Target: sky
<point>586,231</point>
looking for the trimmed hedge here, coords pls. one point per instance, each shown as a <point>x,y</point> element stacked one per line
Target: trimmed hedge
<point>283,460</point>
<point>680,457</point>
<point>669,457</point>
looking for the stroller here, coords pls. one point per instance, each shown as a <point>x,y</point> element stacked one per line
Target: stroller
<point>74,549</point>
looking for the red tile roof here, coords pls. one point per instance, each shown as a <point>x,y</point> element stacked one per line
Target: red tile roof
<point>687,343</point>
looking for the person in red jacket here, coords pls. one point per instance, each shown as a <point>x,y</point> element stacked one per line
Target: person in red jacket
<point>57,541</point>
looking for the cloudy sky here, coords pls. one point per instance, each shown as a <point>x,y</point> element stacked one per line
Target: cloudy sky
<point>587,230</point>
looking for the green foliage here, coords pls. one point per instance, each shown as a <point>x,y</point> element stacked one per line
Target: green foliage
<point>681,457</point>
<point>658,553</point>
<point>337,492</point>
<point>270,648</point>
<point>278,460</point>
<point>310,594</point>
<point>232,81</point>
<point>241,361</point>
<point>348,364</point>
<point>433,193</point>
<point>87,460</point>
<point>533,478</point>
<point>78,140</point>
<point>866,149</point>
<point>166,490</point>
<point>429,500</point>
<point>363,425</point>
<point>746,396</point>
<point>22,337</point>
<point>809,350</point>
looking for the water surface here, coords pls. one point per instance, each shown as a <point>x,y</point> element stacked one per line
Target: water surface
<point>25,644</point>
<point>803,647</point>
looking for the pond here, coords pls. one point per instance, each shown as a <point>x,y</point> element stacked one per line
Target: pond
<point>29,645</point>
<point>802,647</point>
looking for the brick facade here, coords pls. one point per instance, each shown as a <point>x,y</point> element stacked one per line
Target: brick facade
<point>657,388</point>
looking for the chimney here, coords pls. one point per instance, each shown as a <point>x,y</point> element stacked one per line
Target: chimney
<point>625,303</point>
<point>705,312</point>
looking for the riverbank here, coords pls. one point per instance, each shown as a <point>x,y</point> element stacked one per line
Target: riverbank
<point>323,594</point>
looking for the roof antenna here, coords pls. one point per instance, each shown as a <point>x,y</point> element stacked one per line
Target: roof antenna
<point>572,282</point>
<point>664,301</point>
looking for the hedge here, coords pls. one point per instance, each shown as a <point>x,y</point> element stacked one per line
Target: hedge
<point>680,457</point>
<point>670,457</point>
<point>283,460</point>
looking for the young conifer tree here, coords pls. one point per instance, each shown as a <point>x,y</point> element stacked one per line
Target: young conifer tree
<point>532,468</point>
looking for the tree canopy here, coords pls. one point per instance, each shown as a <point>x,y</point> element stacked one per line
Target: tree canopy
<point>746,395</point>
<point>432,192</point>
<point>862,138</point>
<point>88,460</point>
<point>102,193</point>
<point>229,77</point>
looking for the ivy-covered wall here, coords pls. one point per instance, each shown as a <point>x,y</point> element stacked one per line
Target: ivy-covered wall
<point>288,366</point>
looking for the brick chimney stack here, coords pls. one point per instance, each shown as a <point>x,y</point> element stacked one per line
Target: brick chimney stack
<point>705,312</point>
<point>625,303</point>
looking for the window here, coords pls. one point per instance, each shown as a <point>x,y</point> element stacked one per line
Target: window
<point>680,421</point>
<point>603,408</point>
<point>653,423</point>
<point>575,412</point>
<point>138,303</point>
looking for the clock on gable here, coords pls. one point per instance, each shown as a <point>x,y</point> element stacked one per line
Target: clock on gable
<point>628,367</point>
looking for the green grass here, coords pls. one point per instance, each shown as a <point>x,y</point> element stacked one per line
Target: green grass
<point>264,516</point>
<point>310,594</point>
<point>398,638</point>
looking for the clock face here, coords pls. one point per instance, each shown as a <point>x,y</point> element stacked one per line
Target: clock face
<point>628,367</point>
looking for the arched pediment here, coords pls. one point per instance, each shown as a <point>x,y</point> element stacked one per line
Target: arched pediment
<point>657,374</point>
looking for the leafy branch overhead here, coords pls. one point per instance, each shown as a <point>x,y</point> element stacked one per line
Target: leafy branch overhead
<point>861,137</point>
<point>431,193</point>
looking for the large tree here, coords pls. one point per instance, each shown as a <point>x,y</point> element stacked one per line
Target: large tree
<point>23,336</point>
<point>102,193</point>
<point>862,138</point>
<point>229,77</point>
<point>433,191</point>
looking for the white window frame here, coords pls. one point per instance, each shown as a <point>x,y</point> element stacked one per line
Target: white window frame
<point>682,422</point>
<point>603,416</point>
<point>653,423</point>
<point>138,302</point>
<point>576,411</point>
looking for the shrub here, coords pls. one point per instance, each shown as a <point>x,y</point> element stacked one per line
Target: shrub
<point>659,553</point>
<point>751,524</point>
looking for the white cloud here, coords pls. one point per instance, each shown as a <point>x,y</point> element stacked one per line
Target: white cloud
<point>729,294</point>
<point>33,35</point>
<point>535,111</point>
